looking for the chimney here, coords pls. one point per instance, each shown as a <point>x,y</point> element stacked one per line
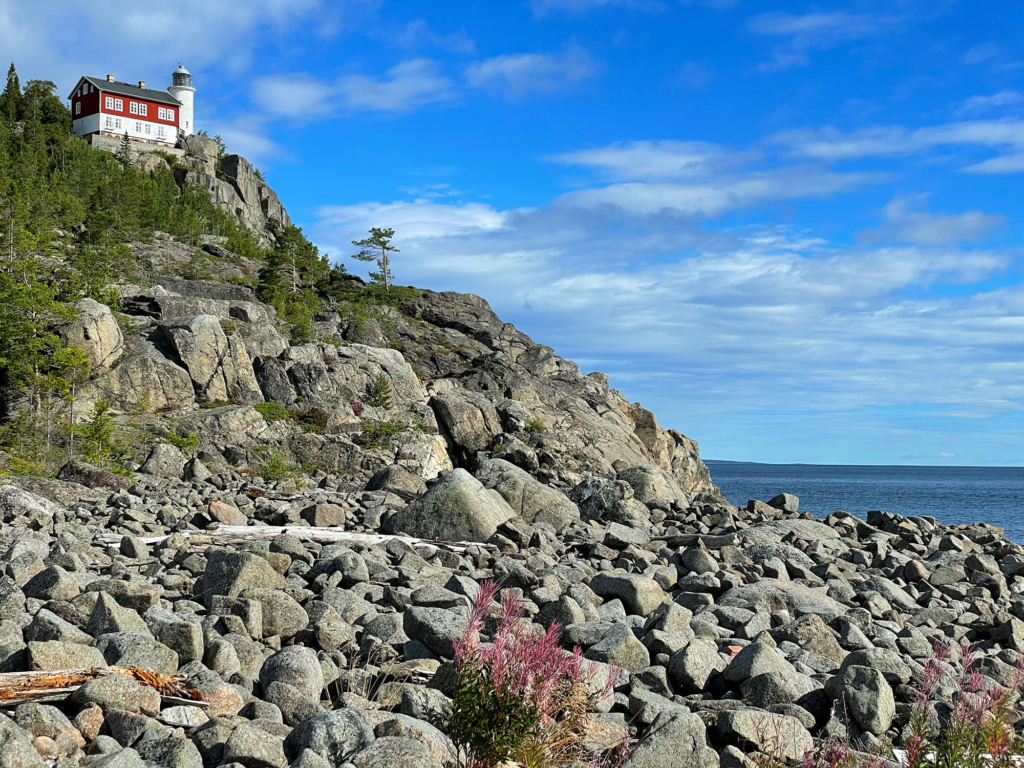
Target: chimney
<point>110,78</point>
<point>142,83</point>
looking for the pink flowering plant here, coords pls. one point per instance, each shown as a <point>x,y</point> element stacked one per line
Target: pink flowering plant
<point>979,731</point>
<point>523,699</point>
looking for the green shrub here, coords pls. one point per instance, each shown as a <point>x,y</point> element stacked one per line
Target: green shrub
<point>379,393</point>
<point>228,326</point>
<point>312,420</point>
<point>380,435</point>
<point>272,412</point>
<point>187,444</point>
<point>278,466</point>
<point>535,425</point>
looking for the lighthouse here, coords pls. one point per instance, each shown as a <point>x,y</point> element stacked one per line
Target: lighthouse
<point>181,89</point>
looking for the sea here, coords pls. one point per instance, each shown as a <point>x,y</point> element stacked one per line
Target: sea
<point>993,495</point>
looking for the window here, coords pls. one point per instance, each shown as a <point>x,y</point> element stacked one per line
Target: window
<point>138,127</point>
<point>142,109</point>
<point>160,132</point>
<point>133,107</point>
<point>78,107</point>
<point>119,105</point>
<point>110,123</point>
<point>146,128</point>
<point>117,123</point>
<point>108,102</point>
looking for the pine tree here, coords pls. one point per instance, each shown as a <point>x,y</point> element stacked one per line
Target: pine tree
<point>11,97</point>
<point>376,248</point>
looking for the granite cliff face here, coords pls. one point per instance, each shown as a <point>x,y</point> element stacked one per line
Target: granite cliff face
<point>463,387</point>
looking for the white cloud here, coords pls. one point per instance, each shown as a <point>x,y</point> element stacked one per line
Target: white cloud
<point>514,75</point>
<point>418,33</point>
<point>61,40</point>
<point>294,95</point>
<point>718,196</point>
<point>830,144</point>
<point>1001,99</point>
<point>903,224</point>
<point>983,52</point>
<point>695,179</point>
<point>816,31</point>
<point>580,7</point>
<point>1003,164</point>
<point>406,87</point>
<point>654,160</point>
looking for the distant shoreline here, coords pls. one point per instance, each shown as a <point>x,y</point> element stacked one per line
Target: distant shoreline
<point>865,466</point>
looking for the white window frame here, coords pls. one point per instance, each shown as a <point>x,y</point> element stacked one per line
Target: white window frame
<point>143,109</point>
<point>110,123</point>
<point>108,102</point>
<point>78,107</point>
<point>117,124</point>
<point>133,107</point>
<point>160,132</point>
<point>146,128</point>
<point>119,105</point>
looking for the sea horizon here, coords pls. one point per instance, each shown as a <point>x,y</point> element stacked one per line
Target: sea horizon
<point>949,493</point>
<point>817,464</point>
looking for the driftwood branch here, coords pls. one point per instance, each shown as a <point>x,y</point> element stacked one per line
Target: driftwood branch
<point>239,534</point>
<point>21,687</point>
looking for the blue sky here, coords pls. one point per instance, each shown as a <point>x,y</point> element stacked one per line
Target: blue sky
<point>791,229</point>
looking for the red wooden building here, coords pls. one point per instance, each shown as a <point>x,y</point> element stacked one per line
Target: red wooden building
<point>113,108</point>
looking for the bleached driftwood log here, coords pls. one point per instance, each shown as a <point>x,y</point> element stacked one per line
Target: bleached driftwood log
<point>21,687</point>
<point>239,534</point>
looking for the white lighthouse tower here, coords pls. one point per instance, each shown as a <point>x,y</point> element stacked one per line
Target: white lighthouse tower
<point>181,89</point>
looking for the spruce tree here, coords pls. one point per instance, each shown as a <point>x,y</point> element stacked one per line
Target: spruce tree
<point>11,97</point>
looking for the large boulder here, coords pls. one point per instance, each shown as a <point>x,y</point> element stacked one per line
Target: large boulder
<point>230,573</point>
<point>218,364</point>
<point>868,698</point>
<point>609,501</point>
<point>456,508</point>
<point>95,331</point>
<point>674,741</point>
<point>774,734</point>
<point>297,666</point>
<point>469,420</point>
<point>529,498</point>
<point>336,736</point>
<point>651,482</point>
<point>785,598</point>
<point>139,378</point>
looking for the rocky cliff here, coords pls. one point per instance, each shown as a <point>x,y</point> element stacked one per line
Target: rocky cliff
<point>462,387</point>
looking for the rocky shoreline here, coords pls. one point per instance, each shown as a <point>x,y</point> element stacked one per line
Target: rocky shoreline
<point>318,653</point>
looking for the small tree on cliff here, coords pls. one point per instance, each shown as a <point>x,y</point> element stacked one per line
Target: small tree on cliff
<point>376,248</point>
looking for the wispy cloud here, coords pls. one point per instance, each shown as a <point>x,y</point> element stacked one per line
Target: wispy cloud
<point>418,33</point>
<point>830,144</point>
<point>403,88</point>
<point>542,8</point>
<point>696,179</point>
<point>904,224</point>
<point>996,100</point>
<point>817,31</point>
<point>654,160</point>
<point>517,74</point>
